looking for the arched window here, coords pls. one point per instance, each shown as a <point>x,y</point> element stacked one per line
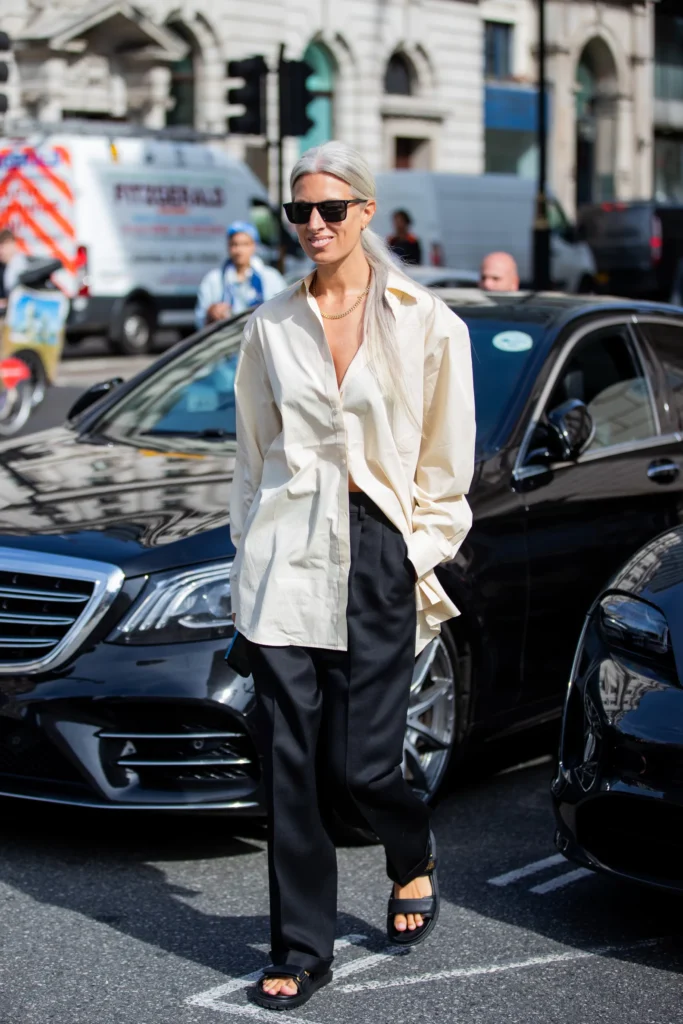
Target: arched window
<point>321,84</point>
<point>596,123</point>
<point>399,78</point>
<point>182,87</point>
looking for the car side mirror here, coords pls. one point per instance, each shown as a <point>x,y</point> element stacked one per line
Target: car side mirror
<point>571,429</point>
<point>92,395</point>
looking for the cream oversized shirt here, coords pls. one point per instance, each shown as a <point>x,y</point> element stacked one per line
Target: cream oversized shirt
<point>300,436</point>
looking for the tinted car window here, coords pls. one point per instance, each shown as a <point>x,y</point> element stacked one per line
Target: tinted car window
<point>667,341</point>
<point>192,396</point>
<point>604,373</point>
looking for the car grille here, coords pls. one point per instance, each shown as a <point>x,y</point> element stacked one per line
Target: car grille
<point>26,752</point>
<point>172,749</point>
<point>36,613</point>
<point>48,606</point>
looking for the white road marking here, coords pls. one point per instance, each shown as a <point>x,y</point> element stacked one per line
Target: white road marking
<point>484,969</point>
<point>528,869</point>
<point>561,880</point>
<point>212,998</point>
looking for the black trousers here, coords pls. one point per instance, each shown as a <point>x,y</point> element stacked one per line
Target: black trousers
<point>332,728</point>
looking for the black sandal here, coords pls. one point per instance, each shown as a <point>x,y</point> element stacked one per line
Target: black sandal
<point>308,983</point>
<point>428,906</point>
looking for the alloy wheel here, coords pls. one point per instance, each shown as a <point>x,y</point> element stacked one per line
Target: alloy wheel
<point>431,726</point>
<point>136,331</point>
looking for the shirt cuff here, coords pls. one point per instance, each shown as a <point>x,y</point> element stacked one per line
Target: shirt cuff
<point>423,552</point>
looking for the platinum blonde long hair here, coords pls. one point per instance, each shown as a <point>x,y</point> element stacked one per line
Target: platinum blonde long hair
<point>379,324</point>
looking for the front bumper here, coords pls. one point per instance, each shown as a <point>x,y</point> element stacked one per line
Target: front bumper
<point>618,791</point>
<point>136,728</point>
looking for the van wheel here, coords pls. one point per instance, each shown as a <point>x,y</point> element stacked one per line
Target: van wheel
<point>586,285</point>
<point>135,330</point>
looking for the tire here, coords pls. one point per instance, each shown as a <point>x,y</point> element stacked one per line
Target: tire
<point>135,330</point>
<point>15,408</point>
<point>586,285</point>
<point>433,730</point>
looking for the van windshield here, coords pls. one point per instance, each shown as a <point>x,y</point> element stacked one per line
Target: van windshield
<point>189,403</point>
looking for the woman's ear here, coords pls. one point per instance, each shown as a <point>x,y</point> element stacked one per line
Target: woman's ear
<point>368,213</point>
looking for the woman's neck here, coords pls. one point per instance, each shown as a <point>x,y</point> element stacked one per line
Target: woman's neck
<point>349,276</point>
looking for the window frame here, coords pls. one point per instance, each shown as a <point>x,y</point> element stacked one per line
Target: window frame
<point>629,322</point>
<point>494,74</point>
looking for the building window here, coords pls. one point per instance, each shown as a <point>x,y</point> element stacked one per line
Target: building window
<point>669,58</point>
<point>182,85</point>
<point>399,78</point>
<point>412,154</point>
<point>497,50</point>
<point>321,109</point>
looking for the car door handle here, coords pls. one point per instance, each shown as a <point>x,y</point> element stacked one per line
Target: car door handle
<point>663,471</point>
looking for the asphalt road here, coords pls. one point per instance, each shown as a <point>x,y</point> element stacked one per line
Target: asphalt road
<point>113,919</point>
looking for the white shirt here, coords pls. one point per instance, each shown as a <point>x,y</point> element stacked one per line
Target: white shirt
<point>299,437</point>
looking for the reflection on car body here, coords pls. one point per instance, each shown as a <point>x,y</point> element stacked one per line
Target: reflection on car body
<point>113,687</point>
<point>618,792</point>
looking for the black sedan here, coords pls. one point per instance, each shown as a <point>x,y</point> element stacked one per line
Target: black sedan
<point>115,548</point>
<point>618,792</point>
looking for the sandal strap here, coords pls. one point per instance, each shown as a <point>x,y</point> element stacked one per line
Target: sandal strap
<point>286,971</point>
<point>422,906</point>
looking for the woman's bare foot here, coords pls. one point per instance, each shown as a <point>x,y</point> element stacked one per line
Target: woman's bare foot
<point>279,986</point>
<point>415,890</point>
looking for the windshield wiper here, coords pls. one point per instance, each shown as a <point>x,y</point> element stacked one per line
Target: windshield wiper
<point>209,434</point>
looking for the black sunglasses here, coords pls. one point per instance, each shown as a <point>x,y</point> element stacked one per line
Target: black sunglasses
<point>331,210</point>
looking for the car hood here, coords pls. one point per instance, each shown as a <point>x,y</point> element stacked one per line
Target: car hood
<point>140,509</point>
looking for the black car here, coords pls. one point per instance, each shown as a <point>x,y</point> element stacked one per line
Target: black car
<point>618,792</point>
<point>115,548</point>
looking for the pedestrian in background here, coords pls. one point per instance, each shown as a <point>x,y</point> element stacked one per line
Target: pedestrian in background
<point>242,282</point>
<point>498,273</point>
<point>403,242</point>
<point>355,449</point>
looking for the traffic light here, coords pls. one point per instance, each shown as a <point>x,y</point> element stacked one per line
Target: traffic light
<point>252,96</point>
<point>5,45</point>
<point>295,97</point>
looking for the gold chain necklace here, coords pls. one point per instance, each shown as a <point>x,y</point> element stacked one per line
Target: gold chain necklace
<point>338,316</point>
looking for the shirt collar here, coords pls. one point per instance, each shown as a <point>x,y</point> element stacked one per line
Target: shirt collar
<point>398,286</point>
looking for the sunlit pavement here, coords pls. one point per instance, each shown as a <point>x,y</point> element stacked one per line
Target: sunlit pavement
<point>122,918</point>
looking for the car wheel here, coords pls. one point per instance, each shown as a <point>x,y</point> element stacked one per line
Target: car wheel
<point>135,331</point>
<point>432,729</point>
<point>586,285</point>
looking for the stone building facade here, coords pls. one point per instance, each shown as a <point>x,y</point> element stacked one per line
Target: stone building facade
<point>444,85</point>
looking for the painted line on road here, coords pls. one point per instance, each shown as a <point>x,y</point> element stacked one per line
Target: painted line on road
<point>529,869</point>
<point>459,973</point>
<point>212,999</point>
<point>561,880</point>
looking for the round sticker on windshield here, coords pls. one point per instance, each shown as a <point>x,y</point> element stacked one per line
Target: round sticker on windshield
<point>513,341</point>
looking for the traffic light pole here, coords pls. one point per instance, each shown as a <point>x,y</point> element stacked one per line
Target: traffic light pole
<point>542,278</point>
<point>280,161</point>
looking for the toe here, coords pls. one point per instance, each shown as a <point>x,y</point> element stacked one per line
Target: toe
<point>411,922</point>
<point>418,920</point>
<point>400,923</point>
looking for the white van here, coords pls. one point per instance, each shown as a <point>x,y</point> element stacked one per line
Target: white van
<point>460,218</point>
<point>136,221</point>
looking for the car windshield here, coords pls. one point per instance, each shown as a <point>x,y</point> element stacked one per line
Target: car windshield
<point>192,396</point>
<point>502,353</point>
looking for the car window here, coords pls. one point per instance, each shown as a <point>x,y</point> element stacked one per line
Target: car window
<point>603,371</point>
<point>667,342</point>
<point>192,396</point>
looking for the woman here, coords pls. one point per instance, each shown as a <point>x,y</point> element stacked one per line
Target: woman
<point>355,438</point>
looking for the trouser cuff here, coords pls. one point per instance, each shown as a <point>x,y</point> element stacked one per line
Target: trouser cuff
<point>415,872</point>
<point>307,962</point>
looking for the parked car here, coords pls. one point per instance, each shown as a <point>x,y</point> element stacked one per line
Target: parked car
<point>638,248</point>
<point>443,277</point>
<point>115,548</point>
<point>618,792</point>
<point>459,218</point>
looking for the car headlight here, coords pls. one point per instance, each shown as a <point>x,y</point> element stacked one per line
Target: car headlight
<point>634,625</point>
<point>175,607</point>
